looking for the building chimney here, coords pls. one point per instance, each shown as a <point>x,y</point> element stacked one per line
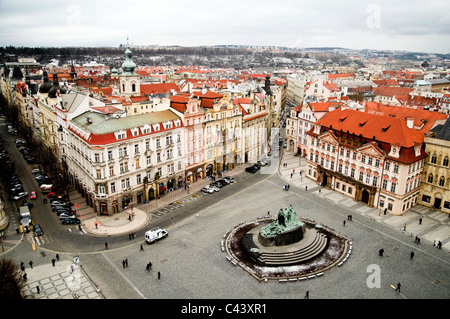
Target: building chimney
<point>410,122</point>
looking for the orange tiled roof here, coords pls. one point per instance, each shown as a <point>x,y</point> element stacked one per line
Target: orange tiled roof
<point>157,88</point>
<point>387,129</point>
<point>391,90</point>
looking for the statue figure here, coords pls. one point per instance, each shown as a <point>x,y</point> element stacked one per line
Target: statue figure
<point>286,220</point>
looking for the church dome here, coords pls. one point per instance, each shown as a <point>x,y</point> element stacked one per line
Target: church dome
<point>46,85</point>
<point>128,66</point>
<point>52,93</point>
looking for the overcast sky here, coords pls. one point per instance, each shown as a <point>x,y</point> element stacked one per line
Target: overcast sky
<point>410,25</point>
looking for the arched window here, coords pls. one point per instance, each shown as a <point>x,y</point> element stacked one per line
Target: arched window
<point>442,181</point>
<point>430,178</point>
<point>433,159</point>
<point>123,87</point>
<point>133,87</point>
<point>445,161</point>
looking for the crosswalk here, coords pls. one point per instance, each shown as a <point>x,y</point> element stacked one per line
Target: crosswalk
<point>45,238</point>
<point>176,204</point>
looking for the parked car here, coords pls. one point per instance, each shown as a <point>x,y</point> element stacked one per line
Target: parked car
<point>58,202</point>
<point>64,211</point>
<point>229,179</point>
<point>252,169</point>
<point>208,189</point>
<point>216,189</point>
<point>66,216</point>
<point>54,195</point>
<point>59,207</point>
<point>33,195</point>
<point>38,230</point>
<point>66,221</point>
<point>223,181</point>
<point>20,195</point>
<point>36,171</point>
<point>217,184</point>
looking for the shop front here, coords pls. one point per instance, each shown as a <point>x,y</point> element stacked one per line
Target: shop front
<point>126,201</point>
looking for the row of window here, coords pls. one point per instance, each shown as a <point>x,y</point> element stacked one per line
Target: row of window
<point>441,181</point>
<point>125,183</point>
<point>434,160</point>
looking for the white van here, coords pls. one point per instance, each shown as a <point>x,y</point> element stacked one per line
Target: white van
<point>154,234</point>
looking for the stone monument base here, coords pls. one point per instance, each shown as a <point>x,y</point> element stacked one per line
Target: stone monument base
<point>313,242</point>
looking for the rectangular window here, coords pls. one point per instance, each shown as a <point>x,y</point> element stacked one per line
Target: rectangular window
<point>112,187</point>
<point>384,184</point>
<point>393,186</point>
<point>375,181</point>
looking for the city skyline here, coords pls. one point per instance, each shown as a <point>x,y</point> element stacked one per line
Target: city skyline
<point>382,25</point>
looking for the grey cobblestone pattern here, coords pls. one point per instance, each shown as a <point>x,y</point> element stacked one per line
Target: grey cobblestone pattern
<point>60,284</point>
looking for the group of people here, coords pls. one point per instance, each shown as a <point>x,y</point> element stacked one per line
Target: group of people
<point>286,187</point>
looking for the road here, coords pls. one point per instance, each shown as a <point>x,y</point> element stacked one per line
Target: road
<point>193,266</point>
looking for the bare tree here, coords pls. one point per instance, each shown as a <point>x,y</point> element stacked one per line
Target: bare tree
<point>11,282</point>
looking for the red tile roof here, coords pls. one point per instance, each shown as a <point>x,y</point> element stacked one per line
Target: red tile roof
<point>158,88</point>
<point>381,128</point>
<point>391,90</point>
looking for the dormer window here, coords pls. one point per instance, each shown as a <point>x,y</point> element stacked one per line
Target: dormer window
<point>121,135</point>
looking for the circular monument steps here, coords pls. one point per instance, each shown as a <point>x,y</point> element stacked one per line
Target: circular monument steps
<point>312,244</point>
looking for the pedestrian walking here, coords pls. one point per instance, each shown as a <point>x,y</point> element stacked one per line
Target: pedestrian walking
<point>439,245</point>
<point>412,255</point>
<point>385,211</point>
<point>57,257</point>
<point>307,295</point>
<point>404,227</point>
<point>420,221</point>
<point>147,267</point>
<point>159,275</point>
<point>291,175</point>
<point>38,290</point>
<point>106,245</point>
<point>126,262</point>
<point>31,264</point>
<point>380,252</point>
<point>24,276</point>
<point>22,266</point>
<point>268,213</point>
<point>123,263</point>
<point>306,188</point>
<point>398,287</point>
<point>142,248</point>
<point>344,223</point>
<point>53,262</point>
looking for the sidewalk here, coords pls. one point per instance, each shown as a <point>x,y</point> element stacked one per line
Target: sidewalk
<point>435,225</point>
<point>120,223</point>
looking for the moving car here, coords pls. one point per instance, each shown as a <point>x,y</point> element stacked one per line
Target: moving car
<point>33,195</point>
<point>38,230</point>
<point>155,234</point>
<point>66,221</point>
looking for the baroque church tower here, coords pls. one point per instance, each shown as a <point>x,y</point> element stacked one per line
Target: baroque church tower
<point>130,82</point>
